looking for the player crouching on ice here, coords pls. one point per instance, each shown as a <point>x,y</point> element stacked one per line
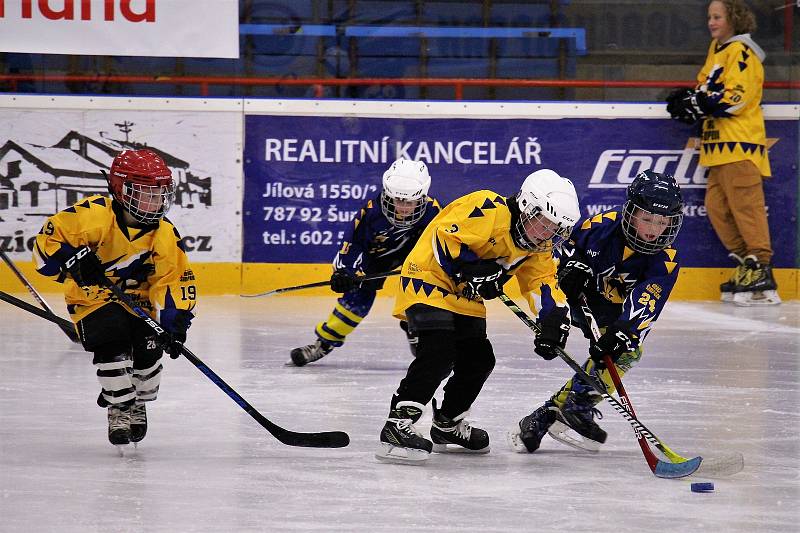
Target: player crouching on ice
<point>383,233</point>
<point>127,240</point>
<point>464,257</point>
<point>622,260</point>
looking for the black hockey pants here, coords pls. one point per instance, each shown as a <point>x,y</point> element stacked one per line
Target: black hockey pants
<point>447,342</point>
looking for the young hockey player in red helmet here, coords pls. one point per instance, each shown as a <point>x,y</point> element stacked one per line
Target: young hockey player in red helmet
<point>127,240</point>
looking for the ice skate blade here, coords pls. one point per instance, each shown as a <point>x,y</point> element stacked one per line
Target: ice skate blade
<point>400,455</point>
<point>566,435</point>
<point>514,438</point>
<point>455,448</point>
<point>726,297</point>
<point>752,299</point>
<point>120,449</point>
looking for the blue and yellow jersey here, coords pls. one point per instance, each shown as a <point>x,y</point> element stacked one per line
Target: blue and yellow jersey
<point>733,79</point>
<point>628,286</point>
<point>475,227</point>
<point>373,239</point>
<point>149,263</point>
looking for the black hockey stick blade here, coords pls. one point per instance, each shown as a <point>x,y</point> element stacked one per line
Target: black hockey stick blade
<point>317,284</point>
<point>25,306</point>
<point>69,330</point>
<point>324,439</point>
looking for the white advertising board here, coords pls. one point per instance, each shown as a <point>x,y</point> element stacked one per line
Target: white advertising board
<point>52,157</point>
<point>162,28</point>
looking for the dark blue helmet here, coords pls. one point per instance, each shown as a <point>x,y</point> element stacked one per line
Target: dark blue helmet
<point>653,212</point>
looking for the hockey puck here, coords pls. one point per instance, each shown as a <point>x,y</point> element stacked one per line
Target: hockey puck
<point>702,487</point>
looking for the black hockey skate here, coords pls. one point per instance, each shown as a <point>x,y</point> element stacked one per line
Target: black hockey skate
<point>727,289</point>
<point>757,286</point>
<point>458,433</point>
<point>119,424</point>
<point>400,440</point>
<point>577,415</point>
<point>310,353</point>
<point>138,421</point>
<point>527,436</point>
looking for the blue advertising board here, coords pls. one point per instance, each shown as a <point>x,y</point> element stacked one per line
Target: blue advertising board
<point>306,176</point>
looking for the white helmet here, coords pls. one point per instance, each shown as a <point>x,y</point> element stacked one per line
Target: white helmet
<point>405,186</point>
<point>548,206</point>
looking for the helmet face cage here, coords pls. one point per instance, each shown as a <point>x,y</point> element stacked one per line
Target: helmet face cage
<point>632,217</point>
<point>534,221</point>
<point>410,211</point>
<point>653,200</point>
<point>147,203</point>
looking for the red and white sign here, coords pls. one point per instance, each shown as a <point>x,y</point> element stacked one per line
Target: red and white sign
<point>164,28</point>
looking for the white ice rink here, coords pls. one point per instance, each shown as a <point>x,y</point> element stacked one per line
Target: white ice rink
<point>714,378</point>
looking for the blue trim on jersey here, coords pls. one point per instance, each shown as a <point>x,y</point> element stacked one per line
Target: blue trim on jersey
<point>372,238</point>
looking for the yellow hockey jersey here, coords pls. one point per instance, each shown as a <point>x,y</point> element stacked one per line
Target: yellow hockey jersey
<point>472,228</point>
<point>149,263</point>
<point>733,78</point>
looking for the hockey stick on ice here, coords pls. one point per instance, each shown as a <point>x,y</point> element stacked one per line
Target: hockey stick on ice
<point>69,330</point>
<point>709,466</point>
<point>319,284</point>
<point>22,304</point>
<point>660,468</point>
<point>322,439</point>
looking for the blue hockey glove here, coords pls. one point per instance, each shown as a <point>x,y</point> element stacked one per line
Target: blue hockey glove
<point>175,322</point>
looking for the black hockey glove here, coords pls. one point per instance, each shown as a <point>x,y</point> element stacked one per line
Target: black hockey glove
<point>574,276</point>
<point>85,267</point>
<point>553,332</point>
<point>614,342</point>
<point>343,281</point>
<point>686,105</point>
<point>484,280</point>
<point>175,322</point>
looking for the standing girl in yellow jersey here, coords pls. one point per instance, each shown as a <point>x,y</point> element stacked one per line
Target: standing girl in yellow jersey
<point>728,101</point>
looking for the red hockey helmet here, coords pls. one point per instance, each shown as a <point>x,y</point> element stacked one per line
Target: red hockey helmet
<point>142,182</point>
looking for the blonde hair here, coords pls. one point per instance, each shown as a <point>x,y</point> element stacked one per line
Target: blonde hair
<point>741,19</point>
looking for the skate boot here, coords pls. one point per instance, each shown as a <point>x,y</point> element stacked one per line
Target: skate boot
<point>119,424</point>
<point>757,286</point>
<point>575,425</point>
<point>310,353</point>
<point>138,421</point>
<point>727,289</point>
<point>457,433</point>
<point>400,440</point>
<point>528,434</point>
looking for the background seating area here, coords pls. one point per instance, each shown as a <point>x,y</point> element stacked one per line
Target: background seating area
<point>508,39</point>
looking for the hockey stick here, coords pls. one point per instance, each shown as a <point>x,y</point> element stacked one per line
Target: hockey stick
<point>660,468</point>
<point>319,284</point>
<point>22,304</point>
<point>323,439</point>
<point>711,466</point>
<point>68,330</point>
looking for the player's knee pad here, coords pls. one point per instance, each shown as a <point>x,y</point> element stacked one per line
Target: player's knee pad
<point>111,352</point>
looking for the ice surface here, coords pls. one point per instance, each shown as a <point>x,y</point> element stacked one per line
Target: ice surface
<point>714,378</point>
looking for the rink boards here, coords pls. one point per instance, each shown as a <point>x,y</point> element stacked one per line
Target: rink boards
<point>267,188</point>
